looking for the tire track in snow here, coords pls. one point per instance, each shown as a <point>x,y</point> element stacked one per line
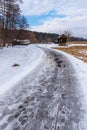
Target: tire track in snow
<point>48,100</point>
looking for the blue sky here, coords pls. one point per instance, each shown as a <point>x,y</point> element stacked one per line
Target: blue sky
<point>56,16</point>
<point>36,20</point>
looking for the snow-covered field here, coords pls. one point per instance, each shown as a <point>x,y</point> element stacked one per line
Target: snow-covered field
<point>27,57</point>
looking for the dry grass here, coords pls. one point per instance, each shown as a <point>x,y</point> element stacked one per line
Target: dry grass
<point>78,51</point>
<point>79,42</point>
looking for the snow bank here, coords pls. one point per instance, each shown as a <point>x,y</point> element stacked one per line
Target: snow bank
<point>47,45</point>
<point>27,57</point>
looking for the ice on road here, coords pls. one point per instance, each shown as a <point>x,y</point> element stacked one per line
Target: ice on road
<point>49,99</point>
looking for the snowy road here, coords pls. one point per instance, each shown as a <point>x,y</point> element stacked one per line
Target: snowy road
<point>46,100</point>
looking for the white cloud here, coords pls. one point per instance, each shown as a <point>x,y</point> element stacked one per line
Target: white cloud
<point>74,10</point>
<point>77,25</point>
<point>37,7</point>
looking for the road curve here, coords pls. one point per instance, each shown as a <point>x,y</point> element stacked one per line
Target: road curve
<point>46,100</point>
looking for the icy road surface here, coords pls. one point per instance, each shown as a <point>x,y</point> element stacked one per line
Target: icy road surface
<point>46,100</point>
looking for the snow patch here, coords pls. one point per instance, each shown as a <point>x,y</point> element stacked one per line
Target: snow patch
<point>27,57</point>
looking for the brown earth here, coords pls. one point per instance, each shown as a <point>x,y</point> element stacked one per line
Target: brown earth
<point>77,42</point>
<point>79,52</point>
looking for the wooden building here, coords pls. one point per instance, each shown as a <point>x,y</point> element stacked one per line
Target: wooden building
<point>62,39</point>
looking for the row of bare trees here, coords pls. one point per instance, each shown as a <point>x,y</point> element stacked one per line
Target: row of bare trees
<point>11,21</point>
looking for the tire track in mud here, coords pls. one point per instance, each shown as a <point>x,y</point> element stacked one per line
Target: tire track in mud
<point>49,100</point>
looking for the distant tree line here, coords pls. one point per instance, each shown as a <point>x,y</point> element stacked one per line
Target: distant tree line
<point>46,37</point>
<point>11,21</point>
<point>52,37</point>
<point>78,39</point>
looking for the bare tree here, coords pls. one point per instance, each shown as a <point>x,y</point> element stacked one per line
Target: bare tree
<point>9,19</point>
<point>68,34</point>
